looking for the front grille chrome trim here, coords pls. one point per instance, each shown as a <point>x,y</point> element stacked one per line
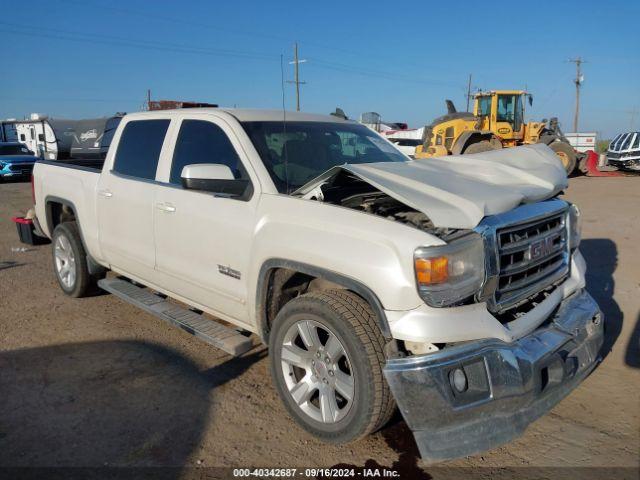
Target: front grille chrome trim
<point>499,297</point>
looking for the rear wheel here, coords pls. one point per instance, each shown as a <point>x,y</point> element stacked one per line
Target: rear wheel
<point>566,154</point>
<point>478,147</point>
<point>326,354</point>
<point>70,261</point>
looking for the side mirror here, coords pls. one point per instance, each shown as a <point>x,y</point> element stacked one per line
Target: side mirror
<point>213,177</point>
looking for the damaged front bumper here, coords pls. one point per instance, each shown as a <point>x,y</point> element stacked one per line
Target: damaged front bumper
<point>507,385</point>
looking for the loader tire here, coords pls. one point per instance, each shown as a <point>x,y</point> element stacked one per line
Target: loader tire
<point>478,147</point>
<point>566,154</point>
<point>326,351</point>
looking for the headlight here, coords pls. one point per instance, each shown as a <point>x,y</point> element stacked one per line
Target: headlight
<point>575,227</point>
<point>448,274</point>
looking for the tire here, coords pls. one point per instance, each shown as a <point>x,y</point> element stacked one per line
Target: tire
<point>68,251</point>
<point>566,154</point>
<point>347,318</point>
<point>478,147</point>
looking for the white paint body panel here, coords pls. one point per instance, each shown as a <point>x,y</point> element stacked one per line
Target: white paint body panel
<point>179,250</point>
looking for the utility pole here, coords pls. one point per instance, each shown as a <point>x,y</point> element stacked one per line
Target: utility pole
<point>468,93</point>
<point>148,99</point>
<point>578,81</point>
<point>632,113</point>
<point>296,62</point>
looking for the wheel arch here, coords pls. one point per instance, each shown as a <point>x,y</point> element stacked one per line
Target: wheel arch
<point>264,287</point>
<point>55,210</point>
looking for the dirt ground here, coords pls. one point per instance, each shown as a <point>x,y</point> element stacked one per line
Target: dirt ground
<point>95,382</point>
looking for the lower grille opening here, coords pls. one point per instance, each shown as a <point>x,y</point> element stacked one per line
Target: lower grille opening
<point>526,306</point>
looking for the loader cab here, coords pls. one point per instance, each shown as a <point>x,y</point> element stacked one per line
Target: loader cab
<point>502,112</point>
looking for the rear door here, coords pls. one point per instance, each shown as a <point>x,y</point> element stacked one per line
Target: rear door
<point>125,197</point>
<point>203,240</point>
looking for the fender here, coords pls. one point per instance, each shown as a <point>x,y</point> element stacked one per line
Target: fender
<point>337,278</point>
<point>463,139</point>
<point>93,266</point>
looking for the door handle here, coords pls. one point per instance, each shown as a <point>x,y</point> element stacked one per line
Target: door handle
<point>166,207</point>
<point>105,193</point>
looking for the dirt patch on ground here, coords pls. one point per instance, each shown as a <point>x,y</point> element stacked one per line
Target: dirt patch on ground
<point>96,382</point>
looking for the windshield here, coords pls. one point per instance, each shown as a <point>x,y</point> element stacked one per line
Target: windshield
<point>306,149</point>
<point>14,150</point>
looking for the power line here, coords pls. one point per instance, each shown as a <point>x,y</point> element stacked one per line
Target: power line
<point>367,72</point>
<point>28,30</point>
<point>250,33</point>
<point>42,32</point>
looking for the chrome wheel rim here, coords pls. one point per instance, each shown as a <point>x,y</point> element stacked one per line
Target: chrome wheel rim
<point>317,371</point>
<point>65,261</point>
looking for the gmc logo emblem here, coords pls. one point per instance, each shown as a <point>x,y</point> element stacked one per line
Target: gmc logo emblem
<point>540,249</point>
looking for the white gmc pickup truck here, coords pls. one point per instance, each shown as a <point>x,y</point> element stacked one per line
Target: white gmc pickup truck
<point>453,288</point>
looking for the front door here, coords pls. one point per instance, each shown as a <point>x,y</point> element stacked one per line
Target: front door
<point>125,198</point>
<point>203,240</point>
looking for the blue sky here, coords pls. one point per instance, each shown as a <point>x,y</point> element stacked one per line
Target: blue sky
<point>86,58</point>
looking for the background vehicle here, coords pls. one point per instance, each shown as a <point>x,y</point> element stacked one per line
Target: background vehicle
<point>624,151</point>
<point>16,160</point>
<point>375,280</point>
<point>53,138</point>
<point>497,121</point>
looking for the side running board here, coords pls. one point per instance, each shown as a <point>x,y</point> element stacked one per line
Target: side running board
<point>212,332</point>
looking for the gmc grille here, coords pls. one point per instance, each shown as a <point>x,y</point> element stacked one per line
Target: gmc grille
<point>531,257</point>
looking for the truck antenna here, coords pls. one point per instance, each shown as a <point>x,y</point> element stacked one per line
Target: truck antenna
<point>284,126</point>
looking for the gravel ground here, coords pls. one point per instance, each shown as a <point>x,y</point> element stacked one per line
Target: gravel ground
<point>94,381</point>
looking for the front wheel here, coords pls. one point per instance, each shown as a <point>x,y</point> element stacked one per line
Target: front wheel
<point>326,354</point>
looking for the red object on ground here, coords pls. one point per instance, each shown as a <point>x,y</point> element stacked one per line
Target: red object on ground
<point>592,167</point>
<point>22,220</point>
<point>26,231</point>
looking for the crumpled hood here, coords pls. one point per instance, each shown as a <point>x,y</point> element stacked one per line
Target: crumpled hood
<point>458,191</point>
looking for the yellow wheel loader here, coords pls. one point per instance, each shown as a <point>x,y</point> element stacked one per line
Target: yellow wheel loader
<point>497,122</point>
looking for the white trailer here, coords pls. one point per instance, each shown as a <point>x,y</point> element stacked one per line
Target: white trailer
<point>56,139</point>
<point>582,142</point>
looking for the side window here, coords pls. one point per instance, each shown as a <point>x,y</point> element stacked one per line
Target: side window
<point>139,148</point>
<point>200,141</point>
<point>485,106</point>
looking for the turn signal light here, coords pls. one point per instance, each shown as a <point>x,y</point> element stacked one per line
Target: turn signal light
<point>431,271</point>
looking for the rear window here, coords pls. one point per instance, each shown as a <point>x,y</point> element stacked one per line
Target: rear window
<point>139,148</point>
